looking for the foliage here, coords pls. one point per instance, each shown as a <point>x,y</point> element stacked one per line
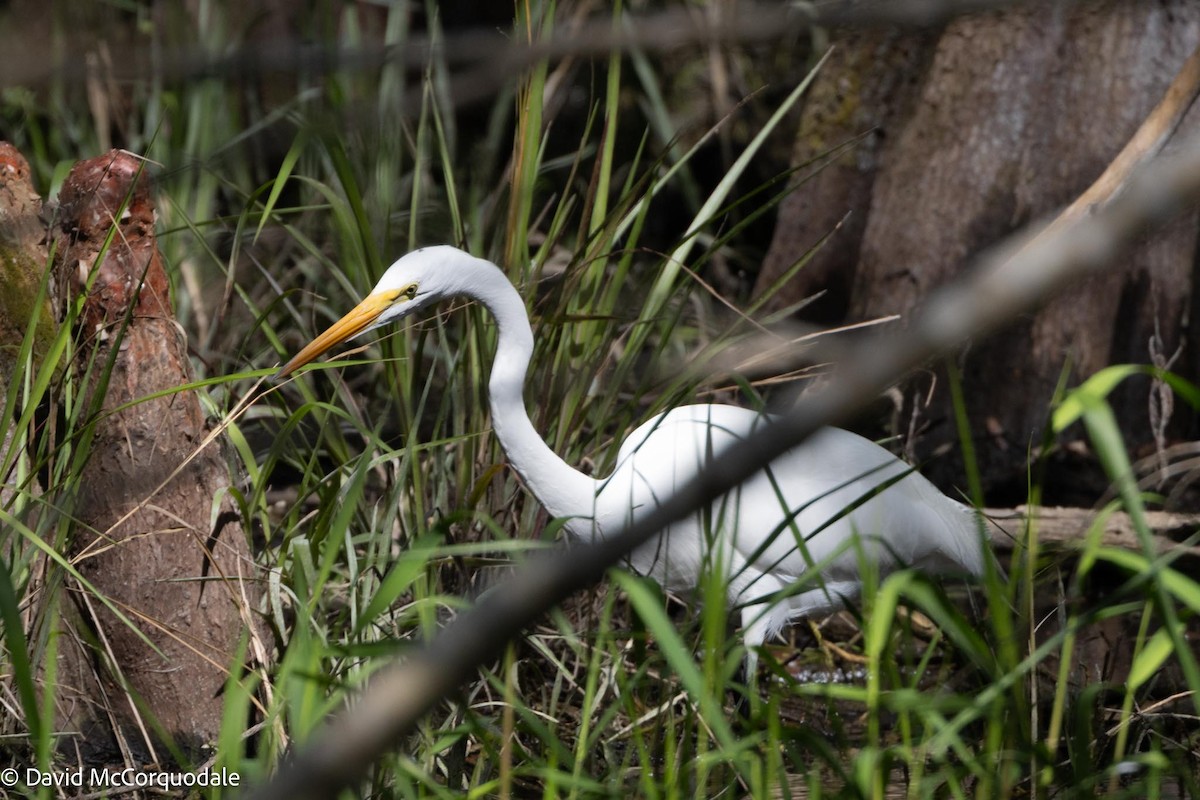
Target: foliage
<point>383,504</point>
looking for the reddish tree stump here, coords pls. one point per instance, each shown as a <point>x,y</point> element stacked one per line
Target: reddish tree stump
<point>156,532</point>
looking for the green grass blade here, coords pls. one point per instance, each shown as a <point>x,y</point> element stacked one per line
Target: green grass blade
<point>677,654</point>
<point>18,652</point>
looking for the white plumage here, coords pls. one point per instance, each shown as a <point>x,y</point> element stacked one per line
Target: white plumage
<point>831,502</point>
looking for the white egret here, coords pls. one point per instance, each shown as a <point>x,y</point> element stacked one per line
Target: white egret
<point>829,505</point>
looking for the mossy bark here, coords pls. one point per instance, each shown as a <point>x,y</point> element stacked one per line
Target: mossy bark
<point>22,274</point>
<point>22,262</point>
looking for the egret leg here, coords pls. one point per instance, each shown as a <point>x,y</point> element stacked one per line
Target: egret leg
<point>759,620</point>
<point>831,649</point>
<point>756,625</point>
<point>822,645</point>
<point>822,602</point>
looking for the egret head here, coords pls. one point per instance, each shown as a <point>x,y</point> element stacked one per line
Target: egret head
<point>419,278</point>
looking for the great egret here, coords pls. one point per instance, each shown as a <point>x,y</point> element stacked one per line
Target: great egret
<point>825,506</point>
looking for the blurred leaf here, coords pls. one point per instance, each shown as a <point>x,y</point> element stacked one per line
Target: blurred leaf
<point>1150,659</point>
<point>1095,389</point>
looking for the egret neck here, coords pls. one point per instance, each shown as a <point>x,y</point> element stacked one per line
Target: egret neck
<point>564,491</point>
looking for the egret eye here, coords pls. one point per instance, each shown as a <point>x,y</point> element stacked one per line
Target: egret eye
<point>411,291</point>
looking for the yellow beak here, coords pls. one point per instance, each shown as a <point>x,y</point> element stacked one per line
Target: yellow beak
<point>361,317</point>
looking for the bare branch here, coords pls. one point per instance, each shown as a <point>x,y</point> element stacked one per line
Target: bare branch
<point>489,58</point>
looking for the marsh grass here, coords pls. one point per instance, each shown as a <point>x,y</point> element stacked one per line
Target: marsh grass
<point>381,504</point>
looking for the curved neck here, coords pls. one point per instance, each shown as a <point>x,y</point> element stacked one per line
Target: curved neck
<point>562,489</point>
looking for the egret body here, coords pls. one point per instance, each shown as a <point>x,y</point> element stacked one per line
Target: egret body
<point>814,514</point>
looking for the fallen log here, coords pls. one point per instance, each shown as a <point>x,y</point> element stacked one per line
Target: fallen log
<point>1067,529</point>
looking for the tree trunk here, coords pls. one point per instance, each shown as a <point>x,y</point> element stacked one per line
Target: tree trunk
<point>156,533</point>
<point>997,121</point>
<point>23,262</point>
